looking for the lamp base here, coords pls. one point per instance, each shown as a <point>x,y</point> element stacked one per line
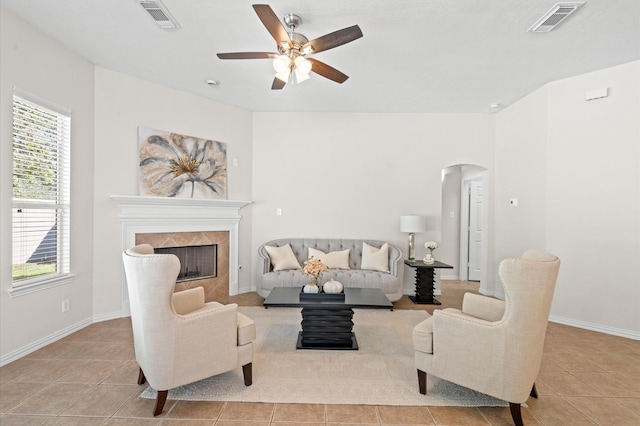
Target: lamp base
<point>411,253</point>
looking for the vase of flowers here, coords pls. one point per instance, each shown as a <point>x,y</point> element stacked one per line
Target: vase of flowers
<point>431,245</point>
<point>314,268</point>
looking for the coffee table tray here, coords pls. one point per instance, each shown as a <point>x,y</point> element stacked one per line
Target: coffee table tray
<point>321,296</point>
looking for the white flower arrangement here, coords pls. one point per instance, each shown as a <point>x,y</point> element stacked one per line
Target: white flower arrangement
<point>431,245</point>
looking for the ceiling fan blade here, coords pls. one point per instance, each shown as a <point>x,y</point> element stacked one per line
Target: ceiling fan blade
<point>334,39</point>
<point>277,84</point>
<point>247,55</point>
<point>273,24</point>
<point>327,71</point>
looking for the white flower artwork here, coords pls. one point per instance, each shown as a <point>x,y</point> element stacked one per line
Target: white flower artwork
<point>181,166</point>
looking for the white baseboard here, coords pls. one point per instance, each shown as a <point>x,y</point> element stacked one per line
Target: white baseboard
<point>629,334</point>
<point>449,277</point>
<point>41,343</point>
<point>109,316</point>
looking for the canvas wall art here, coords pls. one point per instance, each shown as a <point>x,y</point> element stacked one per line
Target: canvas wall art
<point>176,165</point>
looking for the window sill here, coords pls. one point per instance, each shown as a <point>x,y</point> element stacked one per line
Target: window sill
<point>39,285</point>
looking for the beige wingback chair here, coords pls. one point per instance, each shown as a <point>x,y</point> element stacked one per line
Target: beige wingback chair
<point>178,338</point>
<point>493,346</point>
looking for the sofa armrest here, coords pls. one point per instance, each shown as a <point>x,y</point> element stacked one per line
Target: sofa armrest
<point>483,307</point>
<point>264,261</point>
<point>187,301</point>
<point>396,264</point>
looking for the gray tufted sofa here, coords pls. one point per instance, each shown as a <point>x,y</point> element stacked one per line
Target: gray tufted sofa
<point>389,282</point>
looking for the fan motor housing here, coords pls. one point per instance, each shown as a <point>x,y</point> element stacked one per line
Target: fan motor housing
<point>298,40</point>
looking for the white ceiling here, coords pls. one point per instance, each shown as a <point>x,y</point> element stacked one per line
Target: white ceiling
<point>436,56</point>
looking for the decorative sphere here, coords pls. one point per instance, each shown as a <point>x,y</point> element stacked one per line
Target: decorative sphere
<point>332,286</point>
<point>310,288</point>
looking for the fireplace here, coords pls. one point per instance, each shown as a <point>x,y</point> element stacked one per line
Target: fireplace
<point>166,222</point>
<point>204,258</point>
<point>196,262</point>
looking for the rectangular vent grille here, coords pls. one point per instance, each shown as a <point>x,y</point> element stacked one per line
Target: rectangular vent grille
<point>554,17</point>
<point>159,13</point>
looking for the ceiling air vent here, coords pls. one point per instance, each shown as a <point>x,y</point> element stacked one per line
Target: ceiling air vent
<point>159,13</point>
<point>553,17</point>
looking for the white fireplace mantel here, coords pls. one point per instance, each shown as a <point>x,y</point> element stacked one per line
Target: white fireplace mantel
<point>147,215</point>
<point>134,206</point>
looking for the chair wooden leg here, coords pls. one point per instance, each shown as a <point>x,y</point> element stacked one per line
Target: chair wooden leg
<point>422,382</point>
<point>162,398</point>
<point>516,414</point>
<point>534,392</point>
<point>247,372</point>
<point>141,378</point>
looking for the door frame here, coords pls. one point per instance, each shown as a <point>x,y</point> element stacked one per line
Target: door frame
<point>465,188</point>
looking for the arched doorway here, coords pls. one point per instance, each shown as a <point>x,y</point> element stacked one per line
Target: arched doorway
<point>465,213</point>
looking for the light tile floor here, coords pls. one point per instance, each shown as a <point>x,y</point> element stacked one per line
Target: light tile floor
<point>89,378</point>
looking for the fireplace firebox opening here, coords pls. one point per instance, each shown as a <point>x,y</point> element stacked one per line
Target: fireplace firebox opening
<point>196,262</point>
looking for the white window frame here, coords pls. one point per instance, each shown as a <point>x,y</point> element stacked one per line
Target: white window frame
<point>56,203</point>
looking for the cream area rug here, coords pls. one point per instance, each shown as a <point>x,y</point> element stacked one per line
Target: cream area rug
<point>381,372</point>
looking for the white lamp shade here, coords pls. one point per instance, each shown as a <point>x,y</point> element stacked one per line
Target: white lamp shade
<point>413,223</point>
<point>303,65</point>
<point>282,64</point>
<point>300,77</point>
<point>283,76</point>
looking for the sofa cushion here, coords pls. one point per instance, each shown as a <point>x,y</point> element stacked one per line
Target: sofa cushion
<point>282,258</point>
<point>375,259</point>
<point>333,259</point>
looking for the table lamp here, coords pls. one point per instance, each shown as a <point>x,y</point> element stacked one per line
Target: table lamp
<point>412,224</point>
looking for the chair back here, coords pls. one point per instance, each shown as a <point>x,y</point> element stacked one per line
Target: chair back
<point>529,283</point>
<point>150,281</point>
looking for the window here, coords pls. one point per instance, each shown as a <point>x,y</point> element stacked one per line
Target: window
<point>41,142</point>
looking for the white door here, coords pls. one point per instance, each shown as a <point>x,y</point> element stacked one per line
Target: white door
<point>475,230</point>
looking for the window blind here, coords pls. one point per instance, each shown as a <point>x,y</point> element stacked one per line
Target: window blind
<point>41,191</point>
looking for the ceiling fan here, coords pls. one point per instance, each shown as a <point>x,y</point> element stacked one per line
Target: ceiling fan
<point>294,49</point>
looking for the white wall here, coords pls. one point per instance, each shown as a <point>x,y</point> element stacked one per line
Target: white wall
<point>593,198</point>
<point>449,247</point>
<point>574,166</point>
<point>33,62</point>
<point>354,175</point>
<point>124,103</point>
<point>521,173</point>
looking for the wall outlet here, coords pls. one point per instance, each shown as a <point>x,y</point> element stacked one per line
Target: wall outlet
<point>65,305</point>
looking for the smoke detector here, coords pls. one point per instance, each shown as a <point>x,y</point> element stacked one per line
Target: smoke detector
<point>557,14</point>
<point>160,14</point>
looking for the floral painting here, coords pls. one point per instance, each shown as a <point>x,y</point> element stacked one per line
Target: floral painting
<point>175,165</point>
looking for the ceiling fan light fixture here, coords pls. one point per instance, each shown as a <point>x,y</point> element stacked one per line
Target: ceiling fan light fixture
<point>282,64</point>
<point>283,76</point>
<point>300,76</point>
<point>303,65</point>
<point>293,47</point>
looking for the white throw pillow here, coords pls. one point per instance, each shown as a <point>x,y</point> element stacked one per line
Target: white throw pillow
<point>375,259</point>
<point>333,259</point>
<point>282,258</point>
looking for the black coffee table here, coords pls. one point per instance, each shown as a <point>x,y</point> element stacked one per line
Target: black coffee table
<point>328,324</point>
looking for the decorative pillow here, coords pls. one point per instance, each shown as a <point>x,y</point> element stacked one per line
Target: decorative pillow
<point>375,259</point>
<point>333,259</point>
<point>282,258</point>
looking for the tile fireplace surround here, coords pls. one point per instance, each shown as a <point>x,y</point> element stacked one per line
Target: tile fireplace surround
<point>163,215</point>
